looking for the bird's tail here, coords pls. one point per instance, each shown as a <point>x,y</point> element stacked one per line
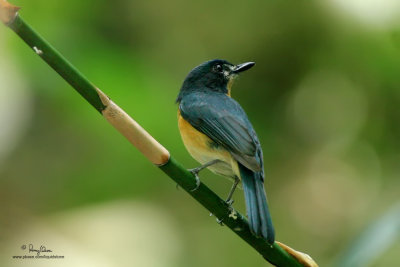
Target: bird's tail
<point>256,204</point>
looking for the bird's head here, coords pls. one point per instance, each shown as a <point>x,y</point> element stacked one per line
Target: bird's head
<point>214,75</point>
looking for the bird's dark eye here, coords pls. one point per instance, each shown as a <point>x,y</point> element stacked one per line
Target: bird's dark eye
<point>218,68</point>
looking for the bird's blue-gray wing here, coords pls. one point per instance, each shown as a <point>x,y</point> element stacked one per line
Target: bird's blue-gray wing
<point>224,121</point>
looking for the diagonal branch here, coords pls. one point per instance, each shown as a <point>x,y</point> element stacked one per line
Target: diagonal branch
<point>277,254</point>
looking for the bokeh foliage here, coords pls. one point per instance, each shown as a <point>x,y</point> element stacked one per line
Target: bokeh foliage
<point>323,97</point>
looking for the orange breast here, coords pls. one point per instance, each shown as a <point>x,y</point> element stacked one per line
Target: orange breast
<point>199,147</point>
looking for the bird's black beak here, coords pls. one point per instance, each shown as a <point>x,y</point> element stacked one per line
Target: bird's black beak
<point>243,67</point>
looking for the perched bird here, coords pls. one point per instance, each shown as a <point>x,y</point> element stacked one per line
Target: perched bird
<point>217,133</point>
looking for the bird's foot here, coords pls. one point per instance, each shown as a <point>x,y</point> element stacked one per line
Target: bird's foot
<point>232,212</point>
<point>195,172</point>
<point>229,202</point>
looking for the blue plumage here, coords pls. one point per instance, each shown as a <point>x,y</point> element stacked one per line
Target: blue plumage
<point>205,104</point>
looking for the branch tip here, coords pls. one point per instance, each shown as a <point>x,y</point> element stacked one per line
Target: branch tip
<point>8,12</point>
<point>303,258</point>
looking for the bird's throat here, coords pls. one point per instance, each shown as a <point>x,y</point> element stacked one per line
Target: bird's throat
<point>229,86</point>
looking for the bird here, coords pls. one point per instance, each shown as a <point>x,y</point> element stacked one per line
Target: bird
<point>218,134</point>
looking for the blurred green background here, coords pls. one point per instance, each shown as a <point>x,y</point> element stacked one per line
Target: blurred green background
<point>324,99</point>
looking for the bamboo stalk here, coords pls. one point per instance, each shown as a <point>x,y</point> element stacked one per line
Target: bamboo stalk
<point>277,254</point>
